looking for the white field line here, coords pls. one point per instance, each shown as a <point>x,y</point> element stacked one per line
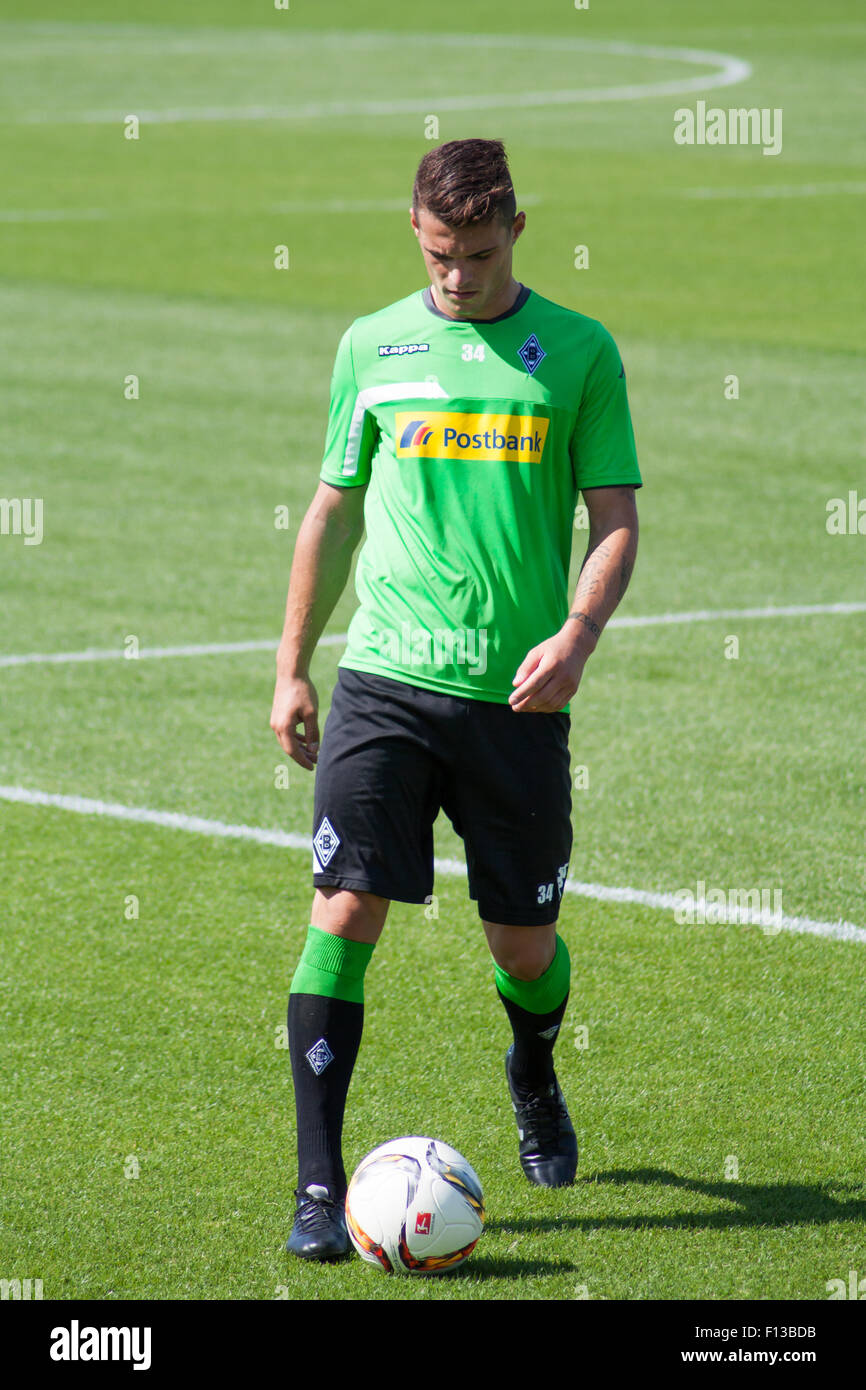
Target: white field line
<point>729,70</point>
<point>449,868</point>
<point>322,207</point>
<point>779,190</point>
<point>52,214</point>
<point>60,39</point>
<point>148,653</point>
<point>706,615</point>
<point>268,644</point>
<point>336,639</point>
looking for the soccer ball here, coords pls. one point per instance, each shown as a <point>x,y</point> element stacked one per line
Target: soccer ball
<point>414,1206</point>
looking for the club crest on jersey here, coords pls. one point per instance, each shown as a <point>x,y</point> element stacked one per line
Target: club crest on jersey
<point>469,436</point>
<point>532,354</point>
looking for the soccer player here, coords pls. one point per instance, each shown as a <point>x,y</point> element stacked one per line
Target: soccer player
<point>464,422</point>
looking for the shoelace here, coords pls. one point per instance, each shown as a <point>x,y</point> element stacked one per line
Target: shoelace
<point>315,1214</point>
<point>540,1117</point>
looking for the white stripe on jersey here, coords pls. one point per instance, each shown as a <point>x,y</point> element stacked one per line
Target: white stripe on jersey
<point>376,395</point>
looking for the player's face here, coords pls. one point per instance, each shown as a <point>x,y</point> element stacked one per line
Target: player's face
<point>469,267</point>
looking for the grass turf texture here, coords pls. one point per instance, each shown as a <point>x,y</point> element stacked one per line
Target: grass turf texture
<point>157,1040</point>
<point>156,1037</point>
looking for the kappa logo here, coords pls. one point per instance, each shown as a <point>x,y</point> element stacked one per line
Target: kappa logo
<point>484,437</point>
<point>401,349</point>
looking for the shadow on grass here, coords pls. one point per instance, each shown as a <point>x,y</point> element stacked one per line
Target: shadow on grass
<point>490,1267</point>
<point>754,1204</point>
<point>751,1204</point>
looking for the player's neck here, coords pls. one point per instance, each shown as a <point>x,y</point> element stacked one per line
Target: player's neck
<point>504,301</point>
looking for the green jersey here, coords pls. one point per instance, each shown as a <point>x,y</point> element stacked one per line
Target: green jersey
<point>475,438</point>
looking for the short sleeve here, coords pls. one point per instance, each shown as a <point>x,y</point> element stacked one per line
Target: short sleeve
<point>603,450</point>
<point>352,432</point>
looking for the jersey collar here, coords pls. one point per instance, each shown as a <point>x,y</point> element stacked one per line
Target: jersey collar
<point>429,303</point>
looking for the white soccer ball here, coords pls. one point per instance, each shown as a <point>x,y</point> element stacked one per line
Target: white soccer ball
<point>414,1206</point>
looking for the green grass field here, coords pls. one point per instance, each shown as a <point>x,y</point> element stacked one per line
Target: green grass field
<point>714,1072</point>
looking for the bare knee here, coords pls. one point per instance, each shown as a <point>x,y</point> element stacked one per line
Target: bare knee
<point>345,912</point>
<point>524,952</point>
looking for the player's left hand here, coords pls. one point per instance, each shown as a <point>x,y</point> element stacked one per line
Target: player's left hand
<point>548,675</point>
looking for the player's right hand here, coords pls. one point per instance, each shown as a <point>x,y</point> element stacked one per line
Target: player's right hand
<point>296,702</point>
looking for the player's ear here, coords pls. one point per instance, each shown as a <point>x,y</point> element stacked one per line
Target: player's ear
<point>517,228</point>
<point>414,221</point>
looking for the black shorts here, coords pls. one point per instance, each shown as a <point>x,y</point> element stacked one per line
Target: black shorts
<point>393,754</point>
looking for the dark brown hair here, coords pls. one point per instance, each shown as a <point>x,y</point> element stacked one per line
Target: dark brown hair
<point>465,181</point>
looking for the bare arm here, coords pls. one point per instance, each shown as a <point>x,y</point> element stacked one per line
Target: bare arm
<point>550,674</point>
<point>322,560</point>
<point>609,559</point>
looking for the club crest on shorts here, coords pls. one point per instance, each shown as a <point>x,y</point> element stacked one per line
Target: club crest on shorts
<point>326,842</point>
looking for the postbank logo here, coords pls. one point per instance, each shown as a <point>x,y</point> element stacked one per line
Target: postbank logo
<point>457,434</point>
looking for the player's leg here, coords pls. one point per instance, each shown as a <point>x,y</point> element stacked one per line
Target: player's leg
<point>325,1020</point>
<point>532,979</point>
<point>376,798</point>
<point>512,805</point>
<point>524,952</point>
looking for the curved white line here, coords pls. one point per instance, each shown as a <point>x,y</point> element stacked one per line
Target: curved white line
<point>729,71</point>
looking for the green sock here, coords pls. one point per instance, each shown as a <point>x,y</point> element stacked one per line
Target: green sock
<point>535,1010</point>
<point>325,1019</point>
<point>332,966</point>
<point>545,994</point>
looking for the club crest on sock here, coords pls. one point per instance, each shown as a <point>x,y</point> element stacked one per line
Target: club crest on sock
<point>319,1056</point>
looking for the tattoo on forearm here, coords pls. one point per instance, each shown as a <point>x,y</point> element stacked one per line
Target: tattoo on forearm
<point>587,622</point>
<point>625,570</point>
<point>592,571</point>
<point>598,555</point>
<point>604,578</point>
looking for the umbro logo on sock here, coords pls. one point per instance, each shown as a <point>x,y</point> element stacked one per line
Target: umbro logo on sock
<point>550,1032</point>
<point>319,1056</point>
